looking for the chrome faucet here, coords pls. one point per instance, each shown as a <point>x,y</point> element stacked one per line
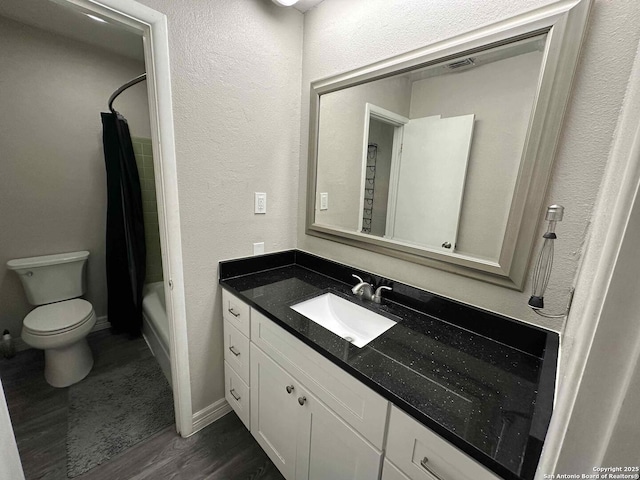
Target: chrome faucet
<point>365,290</point>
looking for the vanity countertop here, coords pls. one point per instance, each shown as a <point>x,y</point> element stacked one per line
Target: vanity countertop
<point>483,382</point>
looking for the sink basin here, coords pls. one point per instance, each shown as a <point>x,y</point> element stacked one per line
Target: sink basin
<point>344,318</point>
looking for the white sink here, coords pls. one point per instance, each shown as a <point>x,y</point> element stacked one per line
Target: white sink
<point>344,318</point>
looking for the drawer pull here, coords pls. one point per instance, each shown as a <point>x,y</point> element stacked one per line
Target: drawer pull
<point>424,465</point>
<point>233,313</point>
<point>233,394</point>
<point>234,351</point>
<point>289,388</point>
<point>302,400</point>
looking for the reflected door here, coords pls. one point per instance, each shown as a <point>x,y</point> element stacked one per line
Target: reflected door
<point>428,187</point>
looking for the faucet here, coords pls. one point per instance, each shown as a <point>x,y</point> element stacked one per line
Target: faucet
<point>364,289</point>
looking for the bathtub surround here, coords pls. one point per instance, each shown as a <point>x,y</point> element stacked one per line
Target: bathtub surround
<point>52,175</point>
<point>144,161</point>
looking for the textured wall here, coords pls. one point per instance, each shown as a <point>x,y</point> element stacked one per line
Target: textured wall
<point>235,69</point>
<point>343,35</point>
<point>52,175</point>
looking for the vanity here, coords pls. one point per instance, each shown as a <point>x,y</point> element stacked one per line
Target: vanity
<point>448,392</point>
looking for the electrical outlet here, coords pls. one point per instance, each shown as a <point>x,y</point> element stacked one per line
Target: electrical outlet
<point>260,205</point>
<point>324,201</point>
<point>258,248</point>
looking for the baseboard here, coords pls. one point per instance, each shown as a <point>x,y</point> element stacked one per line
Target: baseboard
<point>210,414</point>
<point>102,323</point>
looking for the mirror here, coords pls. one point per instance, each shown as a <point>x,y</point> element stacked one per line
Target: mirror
<point>442,156</point>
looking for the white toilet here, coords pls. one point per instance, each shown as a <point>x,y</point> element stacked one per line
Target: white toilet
<point>61,323</point>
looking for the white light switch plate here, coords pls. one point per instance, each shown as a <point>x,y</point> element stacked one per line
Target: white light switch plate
<point>260,203</point>
<point>258,248</point>
<point>324,201</point>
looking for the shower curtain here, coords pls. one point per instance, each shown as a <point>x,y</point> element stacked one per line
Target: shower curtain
<point>125,243</point>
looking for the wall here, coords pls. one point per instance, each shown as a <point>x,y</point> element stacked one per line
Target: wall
<point>52,180</point>
<point>235,69</point>
<point>501,95</point>
<point>341,137</point>
<point>340,36</point>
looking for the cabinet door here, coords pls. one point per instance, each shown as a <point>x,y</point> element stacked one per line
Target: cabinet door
<point>274,411</point>
<point>328,448</point>
<point>391,472</point>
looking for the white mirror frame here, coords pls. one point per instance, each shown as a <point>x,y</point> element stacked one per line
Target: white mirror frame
<point>564,23</point>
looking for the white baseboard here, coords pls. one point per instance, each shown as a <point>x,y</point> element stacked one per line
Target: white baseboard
<point>210,414</point>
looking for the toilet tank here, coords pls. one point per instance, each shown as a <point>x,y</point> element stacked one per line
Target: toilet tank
<point>52,278</point>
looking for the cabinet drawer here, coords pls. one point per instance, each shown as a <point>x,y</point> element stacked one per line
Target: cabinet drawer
<point>237,394</point>
<point>391,472</point>
<point>357,404</point>
<point>236,312</point>
<point>423,455</point>
<point>236,351</point>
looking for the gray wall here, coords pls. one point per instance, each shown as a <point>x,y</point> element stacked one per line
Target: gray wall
<point>602,76</point>
<point>235,69</point>
<point>52,180</point>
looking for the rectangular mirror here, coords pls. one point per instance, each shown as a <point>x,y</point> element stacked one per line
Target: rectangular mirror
<point>441,156</point>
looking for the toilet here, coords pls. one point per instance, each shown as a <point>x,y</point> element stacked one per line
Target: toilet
<point>61,321</point>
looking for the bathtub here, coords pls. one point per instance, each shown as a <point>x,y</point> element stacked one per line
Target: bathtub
<point>155,325</point>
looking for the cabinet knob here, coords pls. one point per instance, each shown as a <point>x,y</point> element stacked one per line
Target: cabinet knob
<point>424,465</point>
<point>302,400</point>
<point>233,394</point>
<point>234,351</point>
<point>446,244</point>
<point>289,388</point>
<point>233,313</point>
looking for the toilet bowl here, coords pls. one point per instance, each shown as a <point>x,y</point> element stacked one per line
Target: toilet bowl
<point>60,329</point>
<point>61,321</point>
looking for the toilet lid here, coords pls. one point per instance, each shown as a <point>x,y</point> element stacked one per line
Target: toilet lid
<point>58,317</point>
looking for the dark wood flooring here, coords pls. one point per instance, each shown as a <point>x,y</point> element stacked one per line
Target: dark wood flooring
<point>223,450</point>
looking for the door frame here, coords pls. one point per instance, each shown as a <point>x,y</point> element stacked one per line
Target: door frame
<point>152,25</point>
<point>398,121</point>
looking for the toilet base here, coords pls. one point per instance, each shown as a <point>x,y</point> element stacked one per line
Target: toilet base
<point>67,365</point>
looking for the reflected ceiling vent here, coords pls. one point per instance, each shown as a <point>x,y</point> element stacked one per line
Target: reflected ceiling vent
<point>467,62</point>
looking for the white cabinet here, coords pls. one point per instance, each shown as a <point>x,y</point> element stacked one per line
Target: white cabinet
<point>391,472</point>
<point>317,422</point>
<point>237,321</point>
<point>275,411</point>
<point>305,439</point>
<point>422,455</point>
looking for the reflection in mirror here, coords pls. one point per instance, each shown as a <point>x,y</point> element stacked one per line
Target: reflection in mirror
<point>430,157</point>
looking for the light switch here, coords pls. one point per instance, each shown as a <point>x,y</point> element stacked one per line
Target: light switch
<point>260,203</point>
<point>324,201</point>
<point>258,248</point>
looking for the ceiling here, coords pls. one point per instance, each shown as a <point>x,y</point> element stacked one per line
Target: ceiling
<point>71,23</point>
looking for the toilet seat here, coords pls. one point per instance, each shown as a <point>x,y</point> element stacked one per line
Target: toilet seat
<point>57,318</point>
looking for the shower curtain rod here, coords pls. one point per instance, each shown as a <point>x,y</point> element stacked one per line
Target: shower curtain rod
<point>130,83</point>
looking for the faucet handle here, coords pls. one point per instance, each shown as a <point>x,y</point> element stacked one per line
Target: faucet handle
<point>377,297</point>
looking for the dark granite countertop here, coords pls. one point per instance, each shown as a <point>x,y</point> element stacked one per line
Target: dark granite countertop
<point>483,382</point>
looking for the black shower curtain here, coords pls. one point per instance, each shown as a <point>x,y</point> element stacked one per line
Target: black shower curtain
<point>125,243</point>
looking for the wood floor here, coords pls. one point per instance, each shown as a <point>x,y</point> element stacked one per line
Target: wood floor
<point>224,450</point>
